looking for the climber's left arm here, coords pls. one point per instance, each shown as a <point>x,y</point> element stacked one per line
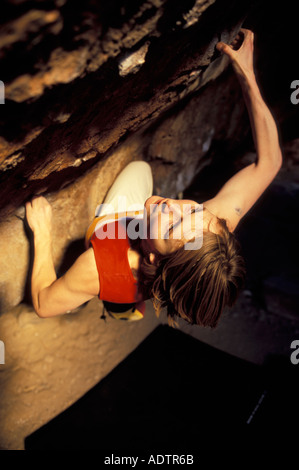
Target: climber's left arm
<point>52,296</point>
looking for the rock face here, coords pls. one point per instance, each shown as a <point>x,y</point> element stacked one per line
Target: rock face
<point>82,79</point>
<point>88,87</point>
<point>84,84</point>
<point>79,77</point>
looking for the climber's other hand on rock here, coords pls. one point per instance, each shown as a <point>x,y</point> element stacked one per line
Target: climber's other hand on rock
<point>39,216</point>
<point>240,52</point>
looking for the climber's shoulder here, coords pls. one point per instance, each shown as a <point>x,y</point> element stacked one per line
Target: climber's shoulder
<point>222,208</point>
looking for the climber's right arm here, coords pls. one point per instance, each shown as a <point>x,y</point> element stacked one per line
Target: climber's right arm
<point>77,286</point>
<point>52,296</point>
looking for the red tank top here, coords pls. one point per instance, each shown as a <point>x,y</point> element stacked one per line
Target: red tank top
<point>117,283</point>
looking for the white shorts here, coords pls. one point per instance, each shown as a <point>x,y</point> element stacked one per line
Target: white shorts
<point>132,187</point>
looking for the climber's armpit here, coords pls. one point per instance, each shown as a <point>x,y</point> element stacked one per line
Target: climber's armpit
<point>241,191</point>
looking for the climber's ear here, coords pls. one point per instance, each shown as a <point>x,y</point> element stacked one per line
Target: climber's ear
<point>152,258</point>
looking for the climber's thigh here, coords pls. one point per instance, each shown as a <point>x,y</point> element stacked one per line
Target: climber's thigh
<point>130,189</point>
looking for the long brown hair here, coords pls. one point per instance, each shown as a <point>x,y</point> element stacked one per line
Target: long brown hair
<point>196,285</point>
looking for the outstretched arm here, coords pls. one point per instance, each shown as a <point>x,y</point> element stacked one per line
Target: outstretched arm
<point>52,296</point>
<point>241,191</point>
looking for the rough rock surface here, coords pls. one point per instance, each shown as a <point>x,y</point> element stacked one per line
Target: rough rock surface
<point>51,363</point>
<point>79,77</point>
<point>89,87</point>
<point>73,210</point>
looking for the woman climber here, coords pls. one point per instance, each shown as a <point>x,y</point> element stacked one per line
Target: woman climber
<point>123,270</point>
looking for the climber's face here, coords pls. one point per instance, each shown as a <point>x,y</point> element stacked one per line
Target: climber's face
<point>173,223</point>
